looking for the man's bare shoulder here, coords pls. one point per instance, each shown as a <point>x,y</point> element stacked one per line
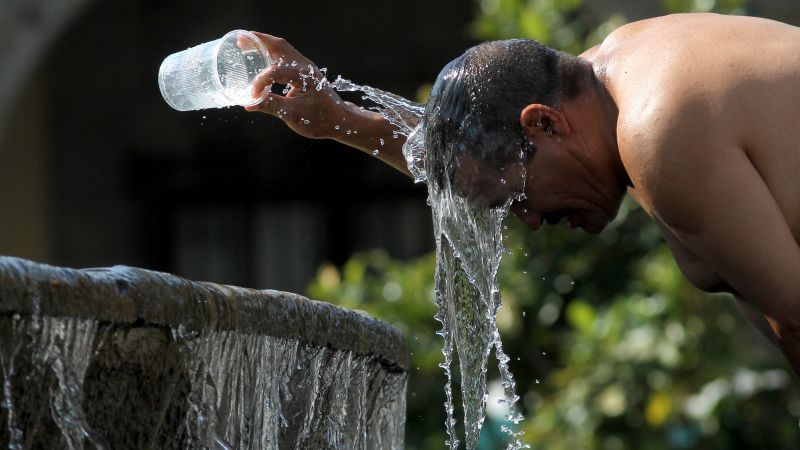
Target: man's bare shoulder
<point>666,145</point>
<point>693,53</point>
<point>684,103</point>
<point>691,27</point>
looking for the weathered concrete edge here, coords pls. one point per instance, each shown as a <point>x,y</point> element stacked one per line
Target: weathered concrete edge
<point>128,295</point>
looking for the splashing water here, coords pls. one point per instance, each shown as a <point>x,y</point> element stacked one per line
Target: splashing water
<point>468,251</point>
<point>402,113</point>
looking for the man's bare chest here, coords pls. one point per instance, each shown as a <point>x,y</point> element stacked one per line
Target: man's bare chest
<point>701,274</point>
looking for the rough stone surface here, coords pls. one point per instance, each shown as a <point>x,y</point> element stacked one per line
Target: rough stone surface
<point>129,358</point>
<point>127,295</point>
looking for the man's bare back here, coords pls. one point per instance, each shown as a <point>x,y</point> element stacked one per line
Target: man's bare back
<point>709,108</point>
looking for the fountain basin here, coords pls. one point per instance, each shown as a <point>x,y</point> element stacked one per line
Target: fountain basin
<point>130,358</point>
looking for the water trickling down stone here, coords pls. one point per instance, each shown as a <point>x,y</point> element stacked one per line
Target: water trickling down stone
<point>165,363</point>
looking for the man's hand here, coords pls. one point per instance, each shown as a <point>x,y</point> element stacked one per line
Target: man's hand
<point>313,109</point>
<point>309,105</point>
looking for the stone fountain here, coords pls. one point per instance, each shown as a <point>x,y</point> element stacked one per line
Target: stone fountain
<point>128,358</point>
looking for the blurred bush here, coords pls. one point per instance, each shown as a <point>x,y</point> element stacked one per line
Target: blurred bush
<point>611,347</point>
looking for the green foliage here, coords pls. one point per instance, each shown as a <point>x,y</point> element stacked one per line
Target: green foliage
<point>726,6</point>
<point>612,349</point>
<point>565,24</point>
<point>556,23</point>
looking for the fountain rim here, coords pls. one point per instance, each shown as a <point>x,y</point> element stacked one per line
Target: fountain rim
<point>123,295</point>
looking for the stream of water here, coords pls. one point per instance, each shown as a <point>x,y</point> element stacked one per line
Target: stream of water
<point>469,246</point>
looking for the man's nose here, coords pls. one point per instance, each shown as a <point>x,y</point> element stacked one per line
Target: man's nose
<point>530,218</point>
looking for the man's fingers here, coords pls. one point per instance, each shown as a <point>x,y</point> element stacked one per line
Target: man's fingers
<point>245,44</point>
<point>270,40</point>
<point>263,81</point>
<point>293,75</point>
<point>266,79</point>
<point>273,104</point>
<point>278,48</point>
<point>287,73</point>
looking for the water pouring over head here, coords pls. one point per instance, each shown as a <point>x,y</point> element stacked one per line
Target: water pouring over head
<point>515,121</point>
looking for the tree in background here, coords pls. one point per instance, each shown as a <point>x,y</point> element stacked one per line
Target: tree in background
<point>612,349</point>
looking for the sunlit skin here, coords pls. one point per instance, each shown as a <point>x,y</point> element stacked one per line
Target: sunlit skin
<point>694,115</point>
<point>575,174</point>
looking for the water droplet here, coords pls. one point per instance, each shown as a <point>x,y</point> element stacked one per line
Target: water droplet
<point>382,142</point>
<point>336,127</point>
<point>375,152</point>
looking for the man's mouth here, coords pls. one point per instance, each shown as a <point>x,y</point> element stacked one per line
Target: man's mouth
<point>554,217</point>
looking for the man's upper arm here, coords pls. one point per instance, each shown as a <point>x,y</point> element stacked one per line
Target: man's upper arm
<point>714,200</point>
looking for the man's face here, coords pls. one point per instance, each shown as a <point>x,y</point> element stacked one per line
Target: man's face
<point>487,186</point>
<point>554,188</point>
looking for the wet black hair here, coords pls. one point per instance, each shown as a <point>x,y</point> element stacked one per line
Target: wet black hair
<point>475,105</point>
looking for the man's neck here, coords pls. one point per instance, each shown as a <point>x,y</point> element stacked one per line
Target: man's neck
<point>609,113</point>
<point>600,113</point>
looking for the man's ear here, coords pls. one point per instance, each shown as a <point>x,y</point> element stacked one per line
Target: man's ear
<point>538,120</point>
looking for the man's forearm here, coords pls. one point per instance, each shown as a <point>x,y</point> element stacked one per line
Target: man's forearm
<point>369,131</point>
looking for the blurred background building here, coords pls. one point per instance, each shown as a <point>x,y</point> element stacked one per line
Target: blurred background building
<point>96,169</point>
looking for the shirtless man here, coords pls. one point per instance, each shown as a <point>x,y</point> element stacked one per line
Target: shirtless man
<point>696,116</point>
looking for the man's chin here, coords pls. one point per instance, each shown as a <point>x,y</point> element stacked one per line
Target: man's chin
<point>593,229</point>
<point>594,224</point>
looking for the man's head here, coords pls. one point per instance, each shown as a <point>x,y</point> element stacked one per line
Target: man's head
<point>500,104</point>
